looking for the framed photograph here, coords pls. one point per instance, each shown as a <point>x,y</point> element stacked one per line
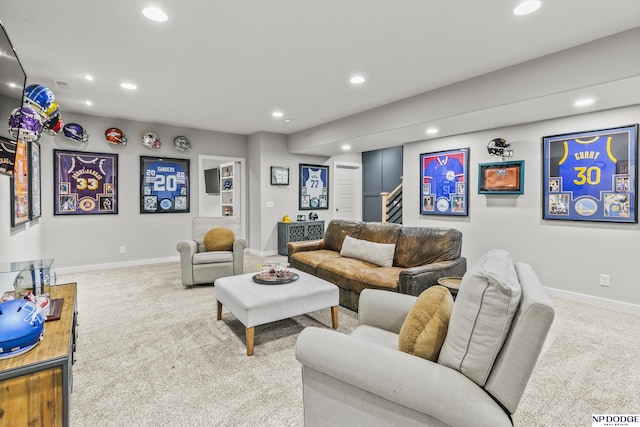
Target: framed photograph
<point>164,185</point>
<point>35,201</point>
<point>7,156</point>
<point>85,183</point>
<point>314,187</point>
<point>20,185</point>
<point>591,175</point>
<point>279,175</point>
<point>501,178</point>
<point>444,179</point>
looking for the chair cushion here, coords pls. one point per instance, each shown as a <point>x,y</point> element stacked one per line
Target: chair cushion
<point>486,303</point>
<point>376,253</point>
<point>219,239</point>
<point>425,327</point>
<point>212,257</point>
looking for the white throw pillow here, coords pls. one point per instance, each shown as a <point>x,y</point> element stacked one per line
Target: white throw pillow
<point>486,303</point>
<point>377,253</point>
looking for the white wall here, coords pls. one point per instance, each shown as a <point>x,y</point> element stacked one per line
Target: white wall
<point>89,241</point>
<point>568,256</point>
<point>269,203</point>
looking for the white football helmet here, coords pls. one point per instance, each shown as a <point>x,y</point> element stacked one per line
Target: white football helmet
<point>151,140</point>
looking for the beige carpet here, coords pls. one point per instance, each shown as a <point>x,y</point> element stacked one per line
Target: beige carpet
<point>152,353</point>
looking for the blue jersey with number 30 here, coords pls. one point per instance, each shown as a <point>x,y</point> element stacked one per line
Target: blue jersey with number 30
<point>587,166</point>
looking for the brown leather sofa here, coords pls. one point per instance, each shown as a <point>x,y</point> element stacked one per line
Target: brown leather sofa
<point>422,256</point>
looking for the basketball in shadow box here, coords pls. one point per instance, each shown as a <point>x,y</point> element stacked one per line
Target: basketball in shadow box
<point>501,178</point>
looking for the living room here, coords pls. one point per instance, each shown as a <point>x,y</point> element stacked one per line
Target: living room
<point>568,256</point>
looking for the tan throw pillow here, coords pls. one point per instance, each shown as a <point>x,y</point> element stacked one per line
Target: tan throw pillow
<point>425,327</point>
<point>219,239</point>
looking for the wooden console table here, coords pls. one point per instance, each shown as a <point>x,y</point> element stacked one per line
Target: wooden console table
<point>35,386</point>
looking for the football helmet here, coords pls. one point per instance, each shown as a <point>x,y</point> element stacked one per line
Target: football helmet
<point>21,327</point>
<point>39,98</point>
<point>52,125</point>
<point>26,123</point>
<point>499,147</point>
<point>313,216</point>
<point>75,132</point>
<point>115,136</point>
<point>151,140</point>
<point>182,143</point>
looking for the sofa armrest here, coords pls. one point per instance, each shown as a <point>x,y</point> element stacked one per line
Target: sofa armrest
<point>239,245</point>
<point>414,280</point>
<point>383,309</point>
<point>304,246</point>
<point>404,379</point>
<point>187,249</point>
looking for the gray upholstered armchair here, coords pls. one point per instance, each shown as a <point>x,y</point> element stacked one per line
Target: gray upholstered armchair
<point>363,379</point>
<point>202,267</point>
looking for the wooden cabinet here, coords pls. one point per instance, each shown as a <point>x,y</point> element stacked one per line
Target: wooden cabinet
<point>298,231</point>
<point>35,386</point>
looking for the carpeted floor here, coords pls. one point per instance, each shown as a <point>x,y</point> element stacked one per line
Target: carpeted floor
<point>151,352</point>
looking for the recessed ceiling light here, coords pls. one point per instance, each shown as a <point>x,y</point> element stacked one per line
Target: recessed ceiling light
<point>128,86</point>
<point>288,120</point>
<point>88,77</point>
<point>346,147</point>
<point>12,85</point>
<point>277,114</point>
<point>357,80</point>
<point>88,103</point>
<point>584,102</point>
<point>155,14</point>
<point>432,131</point>
<point>527,7</point>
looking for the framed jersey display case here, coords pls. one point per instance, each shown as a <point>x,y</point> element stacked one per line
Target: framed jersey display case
<point>501,178</point>
<point>164,185</point>
<point>20,185</point>
<point>314,187</point>
<point>85,183</point>
<point>443,182</point>
<point>35,199</point>
<point>591,175</point>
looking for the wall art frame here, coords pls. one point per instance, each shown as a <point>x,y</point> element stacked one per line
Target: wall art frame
<point>501,177</point>
<point>20,185</point>
<point>164,185</point>
<point>591,175</point>
<point>7,156</point>
<point>35,198</point>
<point>314,187</point>
<point>85,183</point>
<point>444,182</point>
<point>279,175</point>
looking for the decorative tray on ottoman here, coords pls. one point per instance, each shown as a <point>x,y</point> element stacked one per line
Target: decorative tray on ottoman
<point>266,278</point>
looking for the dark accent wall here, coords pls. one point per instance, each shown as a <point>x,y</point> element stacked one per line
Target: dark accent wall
<point>381,172</point>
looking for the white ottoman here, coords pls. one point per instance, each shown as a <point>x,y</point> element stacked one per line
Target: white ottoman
<point>254,304</point>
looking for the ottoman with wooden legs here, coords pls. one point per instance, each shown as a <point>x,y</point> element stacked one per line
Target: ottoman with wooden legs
<point>255,304</point>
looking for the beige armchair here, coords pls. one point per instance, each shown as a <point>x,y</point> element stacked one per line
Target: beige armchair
<point>202,267</point>
<point>363,379</point>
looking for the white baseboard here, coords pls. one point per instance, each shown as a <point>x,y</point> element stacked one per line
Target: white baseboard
<point>598,301</point>
<point>111,265</point>
<point>263,253</point>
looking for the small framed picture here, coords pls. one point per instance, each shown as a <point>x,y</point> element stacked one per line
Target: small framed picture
<point>501,178</point>
<point>279,175</point>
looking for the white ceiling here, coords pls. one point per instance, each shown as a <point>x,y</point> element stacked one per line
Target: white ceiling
<point>226,65</point>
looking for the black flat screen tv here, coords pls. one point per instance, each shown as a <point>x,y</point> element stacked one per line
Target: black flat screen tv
<point>12,83</point>
<point>212,181</point>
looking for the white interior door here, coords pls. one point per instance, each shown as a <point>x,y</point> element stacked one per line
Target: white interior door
<point>347,190</point>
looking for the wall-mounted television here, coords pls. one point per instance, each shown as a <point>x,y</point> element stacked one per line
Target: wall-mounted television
<point>12,83</point>
<point>212,181</point>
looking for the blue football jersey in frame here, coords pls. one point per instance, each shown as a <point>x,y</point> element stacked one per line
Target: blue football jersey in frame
<point>444,182</point>
<point>164,185</point>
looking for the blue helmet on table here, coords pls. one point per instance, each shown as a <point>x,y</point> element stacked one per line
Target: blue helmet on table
<point>21,327</point>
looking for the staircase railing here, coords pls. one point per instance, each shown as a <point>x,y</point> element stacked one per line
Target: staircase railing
<point>392,205</point>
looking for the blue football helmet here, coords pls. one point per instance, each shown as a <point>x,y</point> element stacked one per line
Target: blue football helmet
<point>38,97</point>
<point>75,132</point>
<point>25,123</point>
<point>21,327</point>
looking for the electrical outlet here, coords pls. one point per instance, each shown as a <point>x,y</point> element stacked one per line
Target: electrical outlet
<point>604,280</point>
<point>123,249</point>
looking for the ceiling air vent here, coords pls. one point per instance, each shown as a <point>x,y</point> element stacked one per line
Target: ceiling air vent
<point>61,84</point>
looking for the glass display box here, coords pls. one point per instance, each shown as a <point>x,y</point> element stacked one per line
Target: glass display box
<point>21,277</point>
